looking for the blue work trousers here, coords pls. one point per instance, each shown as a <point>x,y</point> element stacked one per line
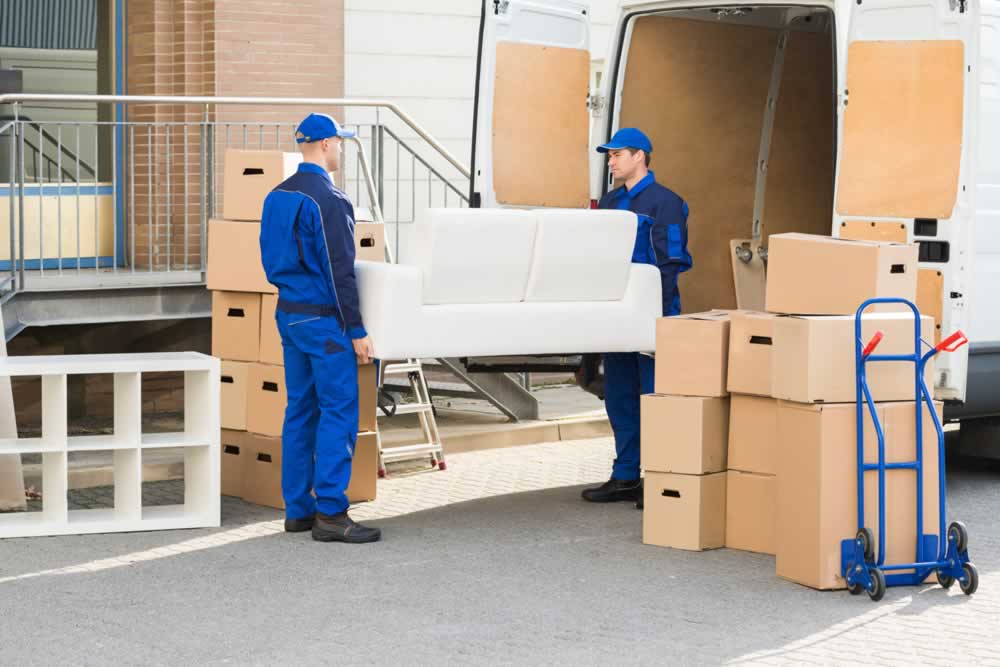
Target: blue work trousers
<point>627,376</point>
<point>321,419</point>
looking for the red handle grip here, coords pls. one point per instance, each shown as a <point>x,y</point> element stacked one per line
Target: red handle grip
<point>873,343</point>
<point>952,342</point>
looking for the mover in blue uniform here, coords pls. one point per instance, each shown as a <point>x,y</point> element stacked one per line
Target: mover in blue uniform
<point>307,247</point>
<point>661,240</point>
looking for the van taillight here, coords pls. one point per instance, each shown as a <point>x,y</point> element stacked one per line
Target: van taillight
<point>593,203</point>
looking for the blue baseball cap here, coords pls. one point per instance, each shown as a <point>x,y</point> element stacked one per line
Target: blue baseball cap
<point>317,126</point>
<point>627,137</point>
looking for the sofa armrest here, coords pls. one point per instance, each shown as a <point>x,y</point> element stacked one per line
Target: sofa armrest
<point>391,303</point>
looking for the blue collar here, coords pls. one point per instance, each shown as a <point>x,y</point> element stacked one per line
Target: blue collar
<point>311,168</point>
<point>625,196</point>
<point>646,181</point>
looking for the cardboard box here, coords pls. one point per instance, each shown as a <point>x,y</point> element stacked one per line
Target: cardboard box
<point>236,326</point>
<point>684,434</point>
<point>817,487</point>
<point>750,505</point>
<point>819,275</point>
<point>369,242</point>
<point>234,263</point>
<point>262,470</point>
<point>753,434</point>
<point>367,386</point>
<point>270,351</point>
<point>364,469</point>
<point>692,353</point>
<point>233,445</point>
<point>235,378</point>
<point>751,338</point>
<point>266,399</point>
<point>247,178</point>
<point>684,511</point>
<point>814,357</point>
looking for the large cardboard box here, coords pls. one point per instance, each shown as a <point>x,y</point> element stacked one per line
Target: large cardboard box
<point>364,469</point>
<point>367,387</point>
<point>247,178</point>
<point>817,487</point>
<point>684,511</point>
<point>751,338</point>
<point>270,351</point>
<point>814,357</point>
<point>750,505</point>
<point>753,434</point>
<point>262,470</point>
<point>233,453</point>
<point>236,326</point>
<point>369,242</point>
<point>684,434</point>
<point>266,399</point>
<point>819,275</point>
<point>235,378</point>
<point>692,353</point>
<point>234,263</point>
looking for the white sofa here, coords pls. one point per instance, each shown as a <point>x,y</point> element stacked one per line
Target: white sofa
<point>491,282</point>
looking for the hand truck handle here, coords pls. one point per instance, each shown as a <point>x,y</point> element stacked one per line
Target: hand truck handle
<point>873,343</point>
<point>952,342</point>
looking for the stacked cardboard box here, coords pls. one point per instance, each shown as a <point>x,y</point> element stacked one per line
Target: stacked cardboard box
<point>816,285</point>
<point>245,336</point>
<point>684,433</point>
<point>788,446</point>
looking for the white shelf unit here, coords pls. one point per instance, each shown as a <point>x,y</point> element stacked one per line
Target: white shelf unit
<point>200,441</point>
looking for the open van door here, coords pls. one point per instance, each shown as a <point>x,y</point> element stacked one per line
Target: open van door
<point>905,168</point>
<point>531,127</point>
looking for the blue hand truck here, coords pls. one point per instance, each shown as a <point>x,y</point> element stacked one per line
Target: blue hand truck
<point>945,553</point>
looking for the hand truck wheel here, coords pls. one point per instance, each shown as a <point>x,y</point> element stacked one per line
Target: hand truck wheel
<point>960,534</point>
<point>946,580</point>
<point>877,591</point>
<point>867,539</point>
<point>855,589</point>
<point>971,582</point>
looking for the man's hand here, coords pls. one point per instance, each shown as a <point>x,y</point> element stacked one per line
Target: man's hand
<point>364,350</point>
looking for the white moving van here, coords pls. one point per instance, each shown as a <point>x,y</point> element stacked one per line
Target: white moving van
<point>864,119</point>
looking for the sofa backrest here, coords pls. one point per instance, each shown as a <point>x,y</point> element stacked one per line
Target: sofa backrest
<point>581,255</point>
<point>473,255</point>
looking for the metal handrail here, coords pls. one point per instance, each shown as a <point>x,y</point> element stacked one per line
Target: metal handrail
<point>275,101</point>
<point>426,164</point>
<point>27,120</point>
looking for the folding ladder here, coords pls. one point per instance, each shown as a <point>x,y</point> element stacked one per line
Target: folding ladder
<point>430,446</point>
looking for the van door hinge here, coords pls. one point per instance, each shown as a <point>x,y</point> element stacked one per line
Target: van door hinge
<point>596,104</point>
<point>500,7</point>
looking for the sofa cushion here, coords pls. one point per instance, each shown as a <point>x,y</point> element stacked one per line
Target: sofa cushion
<point>581,255</point>
<point>473,255</point>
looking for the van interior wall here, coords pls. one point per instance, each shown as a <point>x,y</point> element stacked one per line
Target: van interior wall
<point>699,89</point>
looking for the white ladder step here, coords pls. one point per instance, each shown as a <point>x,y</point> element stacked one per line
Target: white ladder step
<point>413,408</point>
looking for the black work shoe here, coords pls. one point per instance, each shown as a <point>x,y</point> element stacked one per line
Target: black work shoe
<point>615,490</point>
<point>342,528</point>
<point>299,525</point>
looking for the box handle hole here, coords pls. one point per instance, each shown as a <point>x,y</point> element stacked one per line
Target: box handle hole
<point>253,171</point>
<point>670,493</point>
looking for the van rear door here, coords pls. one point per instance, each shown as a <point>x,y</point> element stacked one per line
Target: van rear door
<point>905,167</point>
<point>531,125</point>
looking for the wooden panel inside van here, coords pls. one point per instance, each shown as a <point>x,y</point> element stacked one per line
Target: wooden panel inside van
<point>698,89</point>
<point>902,129</point>
<point>800,172</point>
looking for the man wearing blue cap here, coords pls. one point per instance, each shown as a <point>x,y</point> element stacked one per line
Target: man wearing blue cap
<point>307,247</point>
<point>661,240</point>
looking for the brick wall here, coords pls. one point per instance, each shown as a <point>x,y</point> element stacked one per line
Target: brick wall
<point>223,48</point>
